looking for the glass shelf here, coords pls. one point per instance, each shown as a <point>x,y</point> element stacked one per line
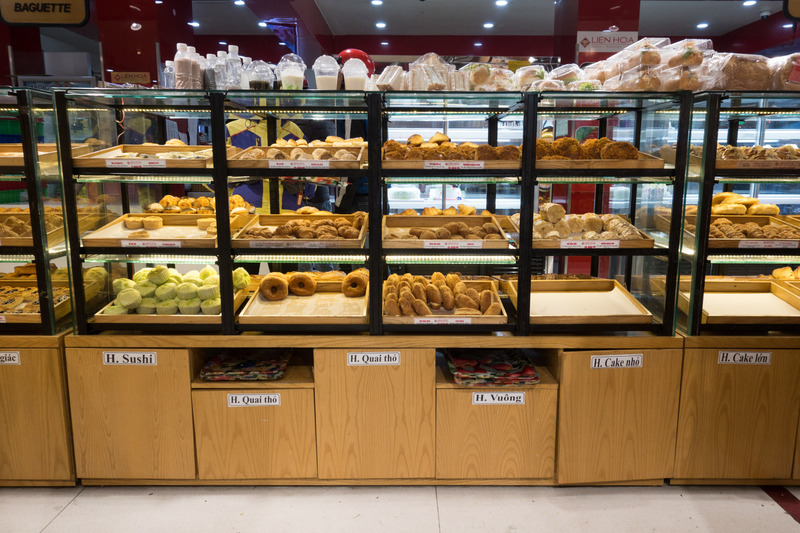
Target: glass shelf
<point>136,178</point>
<point>12,177</point>
<point>452,259</point>
<point>17,258</point>
<point>296,258</point>
<point>491,102</point>
<point>604,180</point>
<point>150,258</point>
<point>454,180</point>
<point>753,259</point>
<point>766,179</point>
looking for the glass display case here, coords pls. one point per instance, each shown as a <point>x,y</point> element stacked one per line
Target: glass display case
<point>35,296</point>
<point>740,227</point>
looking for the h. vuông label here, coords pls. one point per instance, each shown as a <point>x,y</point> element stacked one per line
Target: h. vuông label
<point>254,400</point>
<point>599,362</point>
<point>373,358</point>
<point>744,358</point>
<point>498,398</point>
<point>130,358</point>
<point>9,358</point>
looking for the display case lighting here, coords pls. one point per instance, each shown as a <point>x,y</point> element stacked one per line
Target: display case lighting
<point>151,258</point>
<point>16,258</point>
<point>754,259</point>
<point>452,258</point>
<point>289,258</point>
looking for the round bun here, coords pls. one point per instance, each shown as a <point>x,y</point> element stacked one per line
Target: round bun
<point>153,222</point>
<point>354,285</point>
<point>133,222</point>
<point>302,284</point>
<point>274,288</point>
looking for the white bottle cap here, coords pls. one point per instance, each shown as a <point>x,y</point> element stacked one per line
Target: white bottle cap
<point>169,63</point>
<point>191,50</point>
<point>222,55</point>
<point>246,60</point>
<point>209,57</point>
<point>182,47</point>
<point>233,49</point>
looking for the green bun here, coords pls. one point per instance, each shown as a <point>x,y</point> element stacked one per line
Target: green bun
<point>96,273</point>
<point>211,306</point>
<point>147,307</point>
<point>129,298</point>
<point>141,275</point>
<point>211,280</point>
<point>193,279</point>
<point>190,306</point>
<point>241,278</point>
<point>166,291</point>
<point>158,275</point>
<point>206,292</point>
<point>186,291</point>
<point>167,307</point>
<point>177,280</point>
<point>192,274</point>
<point>115,310</point>
<point>207,271</point>
<point>122,283</point>
<point>145,288</point>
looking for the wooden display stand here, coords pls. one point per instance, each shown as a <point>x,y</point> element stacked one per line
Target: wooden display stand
<point>35,444</point>
<point>739,411</point>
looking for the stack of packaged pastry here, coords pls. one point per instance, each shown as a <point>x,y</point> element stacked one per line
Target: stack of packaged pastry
<point>730,203</point>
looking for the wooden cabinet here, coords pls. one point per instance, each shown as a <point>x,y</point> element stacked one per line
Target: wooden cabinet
<point>617,423</point>
<point>375,421</point>
<point>738,421</point>
<point>34,430</point>
<point>131,421</point>
<point>491,441</point>
<point>255,433</point>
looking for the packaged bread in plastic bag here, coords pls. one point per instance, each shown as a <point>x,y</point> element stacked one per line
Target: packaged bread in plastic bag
<point>458,80</point>
<point>635,79</point>
<point>429,73</point>
<point>478,74</point>
<point>684,79</point>
<point>688,52</point>
<point>391,79</point>
<point>595,71</point>
<point>585,85</point>
<point>566,73</point>
<point>785,73</point>
<point>644,52</point>
<point>739,72</point>
<point>525,76</point>
<point>548,85</point>
<point>502,79</point>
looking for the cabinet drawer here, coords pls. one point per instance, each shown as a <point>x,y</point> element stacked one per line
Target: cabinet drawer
<point>255,434</point>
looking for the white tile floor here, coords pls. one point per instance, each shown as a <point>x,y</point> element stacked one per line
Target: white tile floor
<point>390,509</point>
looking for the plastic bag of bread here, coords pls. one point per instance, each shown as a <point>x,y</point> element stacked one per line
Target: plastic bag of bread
<point>688,52</point>
<point>682,79</point>
<point>785,73</point>
<point>525,76</point>
<point>548,85</point>
<point>644,52</point>
<point>566,73</point>
<point>478,74</point>
<point>637,79</point>
<point>391,79</point>
<point>457,80</point>
<point>433,60</point>
<point>501,79</point>
<point>740,72</point>
<point>596,71</point>
<point>426,78</point>
<point>585,85</point>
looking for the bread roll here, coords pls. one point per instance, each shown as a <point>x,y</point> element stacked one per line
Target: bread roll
<point>783,273</point>
<point>575,224</point>
<point>763,209</point>
<point>552,212</point>
<point>562,228</point>
<point>722,196</point>
<point>728,209</point>
<point>592,222</point>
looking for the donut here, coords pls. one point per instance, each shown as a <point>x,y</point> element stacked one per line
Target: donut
<point>354,285</point>
<point>301,284</point>
<point>274,288</point>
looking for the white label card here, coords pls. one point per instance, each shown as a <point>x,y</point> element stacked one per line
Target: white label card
<point>449,165</point>
<point>285,243</point>
<point>150,244</point>
<point>599,362</point>
<point>452,245</point>
<point>749,243</point>
<point>373,358</point>
<point>253,400</point>
<point>442,320</point>
<point>9,358</point>
<point>136,163</point>
<point>2,319</point>
<point>744,358</point>
<point>581,244</point>
<point>299,163</point>
<point>130,358</point>
<point>498,398</point>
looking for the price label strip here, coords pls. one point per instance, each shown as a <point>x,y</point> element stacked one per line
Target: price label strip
<point>425,320</point>
<point>768,244</point>
<point>452,165</point>
<point>299,163</point>
<point>136,163</point>
<point>150,244</point>
<point>452,245</point>
<point>575,244</point>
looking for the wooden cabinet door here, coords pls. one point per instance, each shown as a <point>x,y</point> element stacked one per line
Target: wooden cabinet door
<point>131,421</point>
<point>617,423</point>
<point>375,422</point>
<point>738,421</point>
<point>495,441</point>
<point>258,439</point>
<point>34,433</point>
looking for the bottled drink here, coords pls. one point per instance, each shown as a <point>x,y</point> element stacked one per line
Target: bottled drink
<point>197,74</point>
<point>183,68</point>
<point>235,67</point>
<point>168,75</point>
<point>209,72</point>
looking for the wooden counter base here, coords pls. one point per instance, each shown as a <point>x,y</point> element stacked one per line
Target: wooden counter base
<point>321,482</point>
<point>787,482</point>
<point>22,483</point>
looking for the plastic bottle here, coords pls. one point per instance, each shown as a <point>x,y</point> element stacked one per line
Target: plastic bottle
<point>209,72</point>
<point>235,63</point>
<point>183,68</point>
<point>168,75</point>
<point>197,74</point>
<point>245,78</point>
<point>221,70</point>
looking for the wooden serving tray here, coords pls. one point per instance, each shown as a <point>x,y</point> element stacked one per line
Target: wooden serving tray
<point>547,244</point>
<point>60,310</point>
<point>273,221</point>
<point>419,164</point>
<point>54,237</point>
<point>745,302</point>
<point>696,162</point>
<point>238,300</point>
<point>326,306</point>
<point>179,231</point>
<point>360,152</point>
<point>581,301</point>
<point>403,223</point>
<point>761,220</point>
<point>645,161</point>
<point>47,153</point>
<point>101,158</point>
<point>442,314</point>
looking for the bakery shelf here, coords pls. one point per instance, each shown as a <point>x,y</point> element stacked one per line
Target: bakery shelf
<point>143,178</point>
<point>600,252</point>
<point>13,174</point>
<point>455,180</point>
<point>308,255</point>
<point>747,257</point>
<point>448,173</point>
<point>143,173</point>
<point>603,180</point>
<point>299,172</point>
<point>192,257</point>
<point>16,254</point>
<point>464,257</point>
<point>296,377</point>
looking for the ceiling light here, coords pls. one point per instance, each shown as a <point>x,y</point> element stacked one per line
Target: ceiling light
<point>788,25</point>
<point>262,24</point>
<point>281,43</point>
<point>239,2</point>
<point>702,25</point>
<point>488,25</point>
<point>135,26</point>
<point>531,59</point>
<point>159,1</point>
<point>223,43</point>
<point>194,24</point>
<point>384,43</point>
<point>478,44</point>
<point>501,3</point>
<point>749,3</point>
<point>380,25</point>
<point>377,2</point>
<point>109,70</point>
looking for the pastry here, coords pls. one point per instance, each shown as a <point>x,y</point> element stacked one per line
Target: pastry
<point>274,287</point>
<point>141,234</point>
<point>783,273</point>
<point>728,209</point>
<point>763,209</point>
<point>415,140</point>
<point>421,308</point>
<point>153,222</point>
<point>204,223</point>
<point>407,308</point>
<point>134,222</point>
<point>439,138</point>
<point>354,285</point>
<point>301,284</point>
<point>551,212</point>
<point>392,308</point>
<point>569,148</point>
<point>619,150</point>
<point>496,308</point>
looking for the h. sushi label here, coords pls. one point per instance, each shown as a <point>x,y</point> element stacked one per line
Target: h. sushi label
<point>373,358</point>
<point>9,358</point>
<point>498,398</point>
<point>744,358</point>
<point>599,362</point>
<point>130,358</point>
<point>253,400</point>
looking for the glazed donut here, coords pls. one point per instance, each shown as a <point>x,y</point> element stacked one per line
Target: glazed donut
<point>354,285</point>
<point>274,288</point>
<point>301,284</point>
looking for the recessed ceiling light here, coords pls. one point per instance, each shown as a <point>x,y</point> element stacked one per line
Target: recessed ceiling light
<point>501,3</point>
<point>281,43</point>
<point>239,2</point>
<point>262,24</point>
<point>702,25</point>
<point>488,25</point>
<point>478,44</point>
<point>223,43</point>
<point>377,2</point>
<point>194,24</point>
<point>159,1</point>
<point>384,43</point>
<point>788,25</point>
<point>135,26</point>
<point>531,59</point>
<point>749,3</point>
<point>380,25</point>
<point>109,70</point>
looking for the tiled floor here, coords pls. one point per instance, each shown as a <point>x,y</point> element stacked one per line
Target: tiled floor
<point>392,509</point>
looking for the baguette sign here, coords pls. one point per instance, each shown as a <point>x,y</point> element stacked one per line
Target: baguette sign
<point>31,13</point>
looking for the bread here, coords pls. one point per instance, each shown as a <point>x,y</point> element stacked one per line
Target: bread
<point>134,222</point>
<point>763,209</point>
<point>551,212</point>
<point>439,138</point>
<point>415,140</point>
<point>783,273</point>
<point>728,209</point>
<point>722,196</point>
<point>153,222</point>
<point>141,234</point>
<point>174,142</point>
<point>204,223</point>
